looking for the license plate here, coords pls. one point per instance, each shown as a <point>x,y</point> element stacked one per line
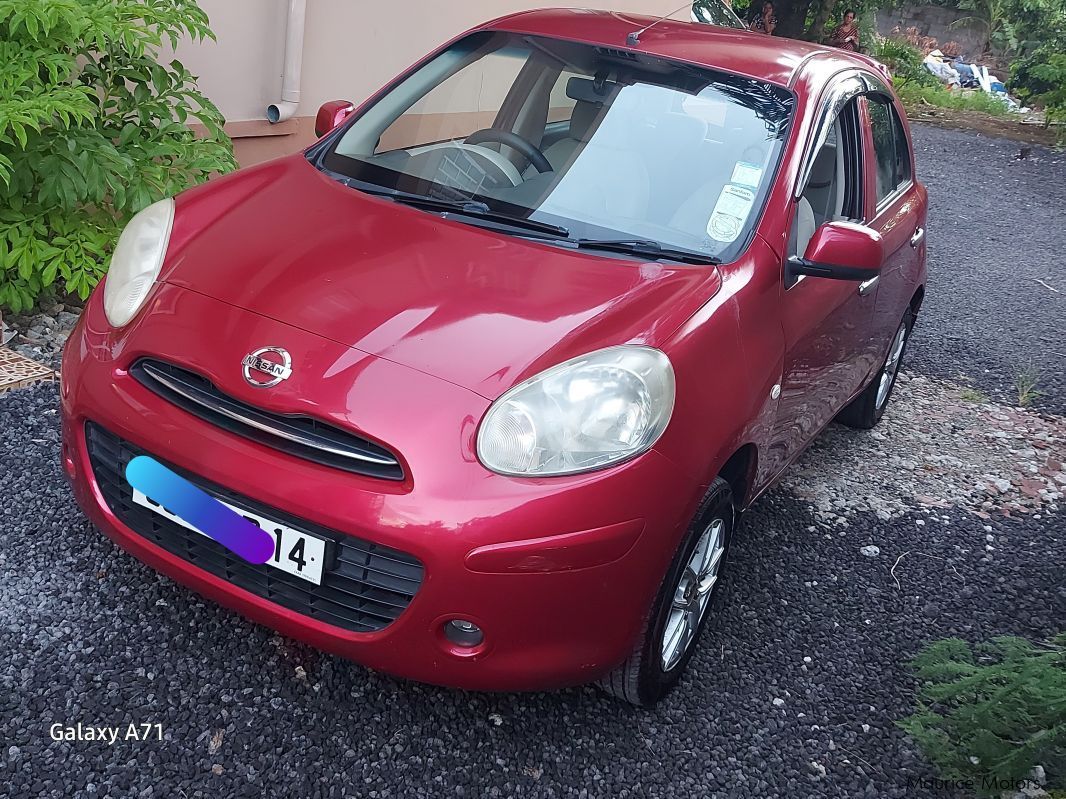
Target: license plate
<point>295,552</point>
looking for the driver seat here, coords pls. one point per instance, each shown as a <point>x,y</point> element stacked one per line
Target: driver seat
<point>582,125</point>
<point>823,199</point>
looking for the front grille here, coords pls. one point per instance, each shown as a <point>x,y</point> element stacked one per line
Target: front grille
<point>297,435</point>
<point>365,586</point>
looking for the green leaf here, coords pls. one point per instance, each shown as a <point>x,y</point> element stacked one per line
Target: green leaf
<point>92,127</point>
<point>48,274</point>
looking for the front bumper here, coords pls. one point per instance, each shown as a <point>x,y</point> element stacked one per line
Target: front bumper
<point>558,573</point>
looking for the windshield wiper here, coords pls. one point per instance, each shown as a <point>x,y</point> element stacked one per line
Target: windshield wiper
<point>464,207</point>
<point>555,234</point>
<point>646,247</point>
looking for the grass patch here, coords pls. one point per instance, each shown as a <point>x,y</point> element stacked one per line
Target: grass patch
<point>914,95</point>
<point>973,395</point>
<point>1026,383</point>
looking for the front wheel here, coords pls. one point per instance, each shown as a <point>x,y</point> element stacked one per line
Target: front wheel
<point>866,410</point>
<point>680,610</point>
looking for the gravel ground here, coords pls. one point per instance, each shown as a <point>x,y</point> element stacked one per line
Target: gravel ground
<point>93,636</point>
<point>995,230</point>
<point>941,446</point>
<point>41,336</point>
<point>793,693</point>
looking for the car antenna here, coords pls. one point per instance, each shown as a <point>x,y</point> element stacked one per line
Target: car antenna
<point>633,39</point>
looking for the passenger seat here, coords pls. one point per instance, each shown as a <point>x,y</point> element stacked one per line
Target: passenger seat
<point>601,174</point>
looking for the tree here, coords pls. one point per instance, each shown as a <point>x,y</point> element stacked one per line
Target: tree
<point>1015,27</point>
<point>823,10</point>
<point>792,17</point>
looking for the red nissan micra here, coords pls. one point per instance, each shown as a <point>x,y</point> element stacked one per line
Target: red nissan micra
<point>501,358</point>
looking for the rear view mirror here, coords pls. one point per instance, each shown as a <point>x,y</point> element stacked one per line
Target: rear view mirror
<point>841,251</point>
<point>332,114</point>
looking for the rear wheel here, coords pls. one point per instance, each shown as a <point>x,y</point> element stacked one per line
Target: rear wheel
<point>681,607</point>
<point>866,410</point>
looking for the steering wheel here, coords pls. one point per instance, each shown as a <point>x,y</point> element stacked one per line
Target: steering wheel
<point>515,142</point>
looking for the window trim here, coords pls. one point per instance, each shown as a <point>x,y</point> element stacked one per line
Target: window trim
<point>844,90</point>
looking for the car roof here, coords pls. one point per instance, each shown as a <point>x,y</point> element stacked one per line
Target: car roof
<point>770,58</point>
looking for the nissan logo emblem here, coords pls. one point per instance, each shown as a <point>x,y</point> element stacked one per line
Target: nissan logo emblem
<point>267,366</point>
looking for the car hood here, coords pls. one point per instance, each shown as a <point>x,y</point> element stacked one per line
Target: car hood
<point>479,309</point>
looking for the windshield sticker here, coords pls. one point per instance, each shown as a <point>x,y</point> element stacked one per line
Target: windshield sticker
<point>730,213</point>
<point>747,174</point>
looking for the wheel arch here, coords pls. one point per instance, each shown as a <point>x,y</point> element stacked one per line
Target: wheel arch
<point>739,471</point>
<point>917,299</point>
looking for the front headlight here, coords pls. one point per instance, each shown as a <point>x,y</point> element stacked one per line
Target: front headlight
<point>584,414</point>
<point>136,262</point>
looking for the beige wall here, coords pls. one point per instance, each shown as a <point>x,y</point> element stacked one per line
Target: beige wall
<point>351,48</point>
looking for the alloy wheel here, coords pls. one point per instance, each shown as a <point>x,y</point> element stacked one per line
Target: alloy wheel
<point>692,595</point>
<point>888,374</point>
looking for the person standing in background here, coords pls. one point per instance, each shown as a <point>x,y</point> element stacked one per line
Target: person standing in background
<point>766,21</point>
<point>846,34</point>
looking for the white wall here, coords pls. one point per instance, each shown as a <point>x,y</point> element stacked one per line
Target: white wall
<point>351,47</point>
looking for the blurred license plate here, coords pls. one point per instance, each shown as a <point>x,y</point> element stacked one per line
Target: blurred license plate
<point>295,552</point>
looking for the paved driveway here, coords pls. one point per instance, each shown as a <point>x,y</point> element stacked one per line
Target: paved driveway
<point>799,680</point>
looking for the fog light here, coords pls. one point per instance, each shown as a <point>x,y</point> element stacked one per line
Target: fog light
<point>463,632</point>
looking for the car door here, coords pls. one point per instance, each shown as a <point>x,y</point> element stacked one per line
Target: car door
<point>829,352</point>
<point>898,213</point>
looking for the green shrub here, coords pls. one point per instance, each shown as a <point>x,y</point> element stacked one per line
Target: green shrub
<point>1025,80</point>
<point>1052,73</point>
<point>989,714</point>
<point>92,129</point>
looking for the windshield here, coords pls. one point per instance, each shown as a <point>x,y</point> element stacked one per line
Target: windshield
<point>604,144</point>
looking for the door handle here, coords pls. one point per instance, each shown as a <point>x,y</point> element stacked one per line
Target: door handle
<point>919,234</point>
<point>868,285</point>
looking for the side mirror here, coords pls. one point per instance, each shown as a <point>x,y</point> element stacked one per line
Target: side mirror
<point>841,251</point>
<point>332,114</point>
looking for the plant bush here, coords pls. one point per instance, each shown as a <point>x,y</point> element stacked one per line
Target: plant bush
<point>989,714</point>
<point>1040,79</point>
<point>1053,73</point>
<point>92,129</point>
<point>905,62</point>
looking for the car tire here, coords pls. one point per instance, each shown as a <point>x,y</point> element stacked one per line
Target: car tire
<point>654,667</point>
<point>866,410</point>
